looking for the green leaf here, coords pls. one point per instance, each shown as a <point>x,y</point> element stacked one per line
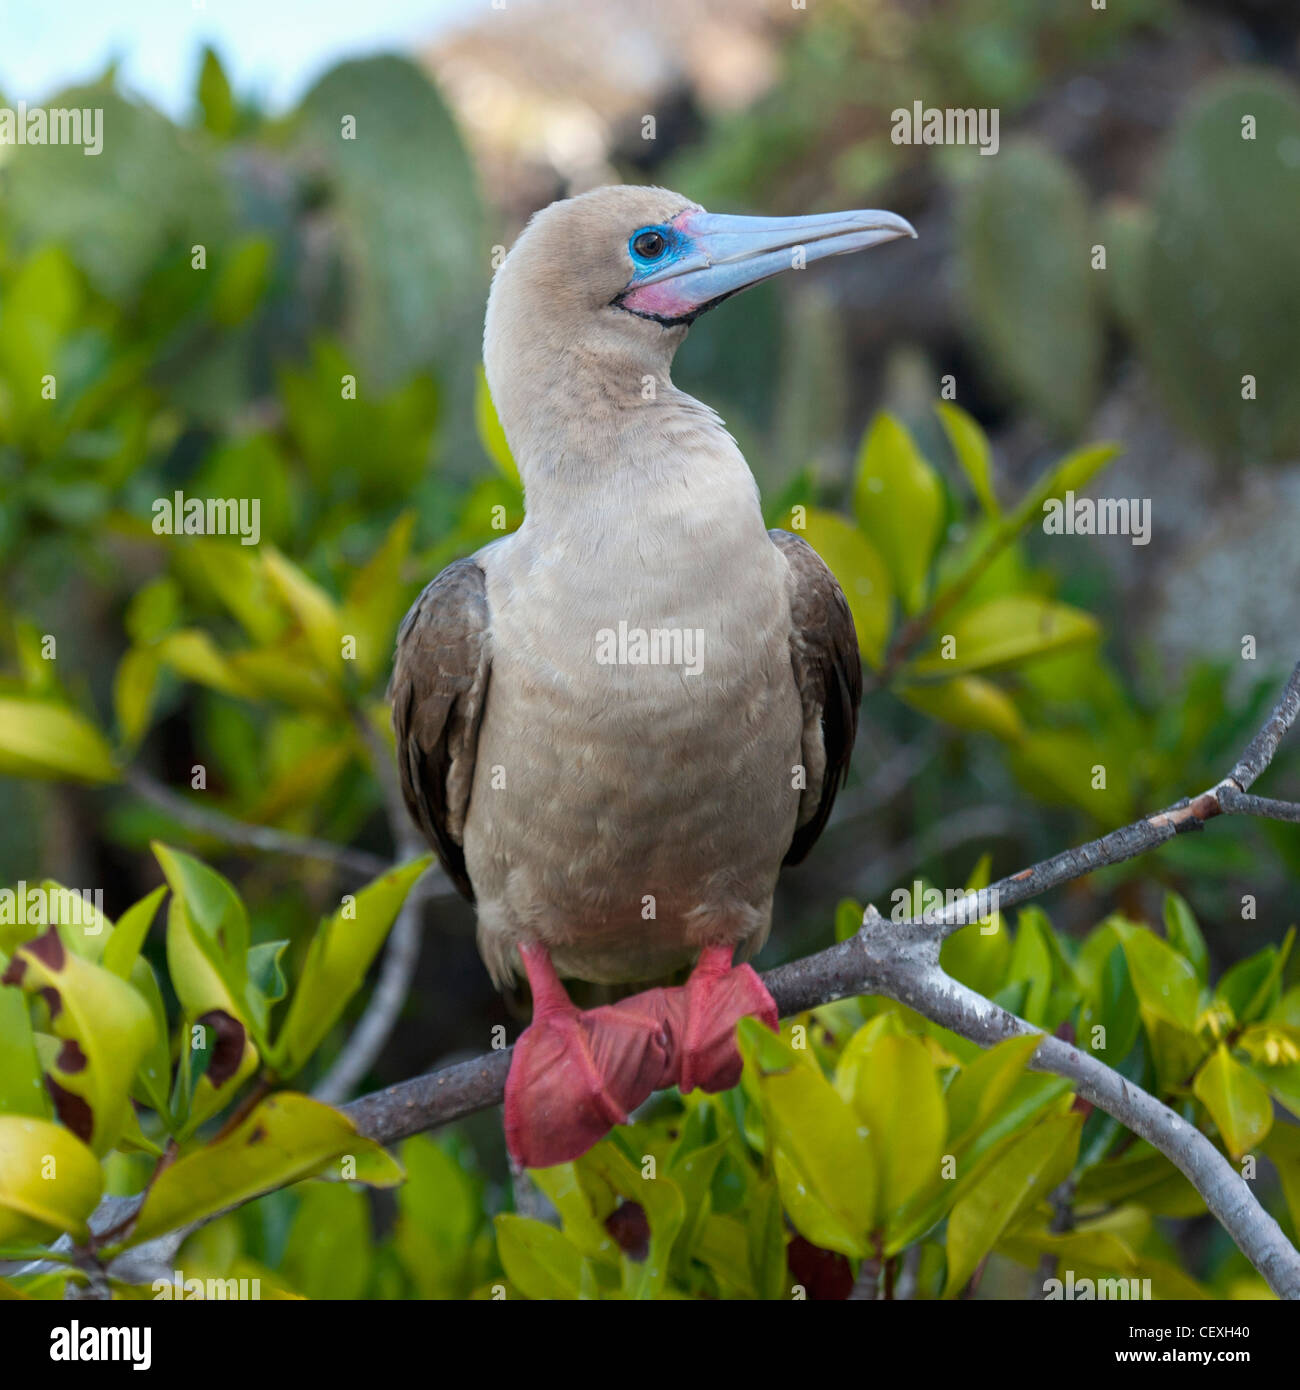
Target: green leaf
<point>242,280</point>
<point>208,913</point>
<point>858,567</point>
<point>283,1139</point>
<point>899,1097</point>
<point>899,503</point>
<point>194,656</point>
<point>979,1089</point>
<point>39,738</point>
<point>1236,1099</point>
<point>439,1208</point>
<point>1024,1175</point>
<point>337,960</point>
<point>330,1249</point>
<point>216,100</point>
<point>315,610</point>
<point>848,918</point>
<point>1252,985</point>
<point>970,447</point>
<point>664,1208</point>
<point>970,703</point>
<point>1006,631</point>
<point>123,946</point>
<point>1283,1147</point>
<point>265,975</point>
<point>1165,981</point>
<point>1184,935</point>
<point>134,685</point>
<point>22,1086</point>
<point>49,1180</point>
<point>824,1161</point>
<point>377,597</point>
<point>539,1260</point>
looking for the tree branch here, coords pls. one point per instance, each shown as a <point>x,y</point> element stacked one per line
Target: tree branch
<point>266,838</point>
<point>901,961</point>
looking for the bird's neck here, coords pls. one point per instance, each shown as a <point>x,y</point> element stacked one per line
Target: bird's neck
<point>592,448</point>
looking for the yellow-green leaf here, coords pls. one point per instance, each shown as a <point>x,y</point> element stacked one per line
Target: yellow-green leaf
<point>134,684</point>
<point>39,738</point>
<point>899,1097</point>
<point>899,503</point>
<point>1237,1100</point>
<point>283,1139</point>
<point>539,1260</point>
<point>49,1180</point>
<point>193,655</point>
<point>971,703</point>
<point>861,572</point>
<point>827,1156</point>
<point>312,606</point>
<point>106,1029</point>
<point>123,946</point>
<point>971,449</point>
<point>1004,632</point>
<point>376,598</point>
<point>979,1089</point>
<point>22,1086</point>
<point>337,961</point>
<point>1024,1174</point>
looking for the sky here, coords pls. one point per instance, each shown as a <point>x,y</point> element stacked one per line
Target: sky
<point>271,49</point>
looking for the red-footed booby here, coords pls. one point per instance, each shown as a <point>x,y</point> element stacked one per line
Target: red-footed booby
<point>616,724</point>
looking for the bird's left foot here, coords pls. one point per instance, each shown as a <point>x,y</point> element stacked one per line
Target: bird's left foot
<point>715,998</point>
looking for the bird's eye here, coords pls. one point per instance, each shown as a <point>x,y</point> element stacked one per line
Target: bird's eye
<point>648,245</point>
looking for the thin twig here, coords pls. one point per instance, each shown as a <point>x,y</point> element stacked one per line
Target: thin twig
<point>401,955</point>
<point>231,831</point>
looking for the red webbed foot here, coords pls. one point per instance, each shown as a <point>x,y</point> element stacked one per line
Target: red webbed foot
<point>710,1004</point>
<point>575,1075</point>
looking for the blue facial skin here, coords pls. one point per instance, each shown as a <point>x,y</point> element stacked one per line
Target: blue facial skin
<point>675,247</point>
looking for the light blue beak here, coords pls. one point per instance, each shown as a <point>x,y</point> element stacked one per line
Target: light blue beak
<point>710,255</point>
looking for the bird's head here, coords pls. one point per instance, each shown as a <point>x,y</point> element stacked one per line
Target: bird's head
<point>613,278</point>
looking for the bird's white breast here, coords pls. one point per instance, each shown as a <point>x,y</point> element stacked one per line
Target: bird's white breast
<point>627,811</point>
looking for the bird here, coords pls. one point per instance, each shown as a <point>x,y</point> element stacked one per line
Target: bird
<point>617,723</point>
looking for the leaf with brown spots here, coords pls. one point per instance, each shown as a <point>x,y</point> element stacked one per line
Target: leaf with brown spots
<point>106,1028</point>
<point>287,1137</point>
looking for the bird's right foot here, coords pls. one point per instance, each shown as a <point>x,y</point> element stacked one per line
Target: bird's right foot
<point>575,1075</point>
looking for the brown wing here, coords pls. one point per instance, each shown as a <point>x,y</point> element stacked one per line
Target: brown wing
<point>439,686</point>
<point>828,672</point>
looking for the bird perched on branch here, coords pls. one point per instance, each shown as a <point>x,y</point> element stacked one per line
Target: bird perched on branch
<point>615,725</point>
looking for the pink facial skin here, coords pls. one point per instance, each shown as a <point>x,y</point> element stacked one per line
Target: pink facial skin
<point>664,299</point>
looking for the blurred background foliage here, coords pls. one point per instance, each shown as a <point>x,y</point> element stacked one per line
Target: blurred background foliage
<point>203,292</point>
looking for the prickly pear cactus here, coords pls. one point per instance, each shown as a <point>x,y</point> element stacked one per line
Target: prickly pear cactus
<point>1220,332</point>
